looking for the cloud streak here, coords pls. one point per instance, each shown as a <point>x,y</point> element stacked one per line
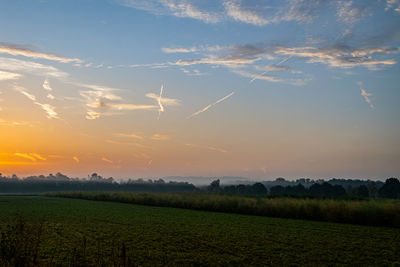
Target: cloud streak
<point>49,109</point>
<point>76,159</point>
<point>12,64</point>
<point>210,105</point>
<point>4,75</point>
<point>16,50</point>
<point>176,8</point>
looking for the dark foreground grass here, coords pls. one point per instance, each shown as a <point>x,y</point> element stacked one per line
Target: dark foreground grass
<point>380,212</point>
<point>74,232</point>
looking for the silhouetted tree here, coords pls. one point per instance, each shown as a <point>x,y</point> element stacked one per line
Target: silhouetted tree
<point>214,186</point>
<point>391,189</point>
<point>259,189</point>
<point>277,190</point>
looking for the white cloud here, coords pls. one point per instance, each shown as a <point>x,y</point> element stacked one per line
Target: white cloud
<point>49,109</point>
<point>20,51</point>
<point>23,91</point>
<point>341,56</point>
<point>177,8</point>
<point>4,75</point>
<point>184,9</point>
<point>236,11</point>
<point>134,136</point>
<point>348,13</point>
<point>107,160</point>
<point>212,148</point>
<point>12,64</point>
<point>46,85</point>
<point>50,96</point>
<point>92,115</point>
<point>393,4</point>
<point>160,137</point>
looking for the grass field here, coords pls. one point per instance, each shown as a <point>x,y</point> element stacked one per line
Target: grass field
<point>375,212</point>
<point>82,232</point>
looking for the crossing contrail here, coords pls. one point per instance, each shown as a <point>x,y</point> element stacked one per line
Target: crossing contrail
<point>281,62</point>
<point>159,102</point>
<point>209,106</point>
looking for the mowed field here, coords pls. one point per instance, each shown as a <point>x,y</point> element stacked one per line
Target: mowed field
<point>84,232</point>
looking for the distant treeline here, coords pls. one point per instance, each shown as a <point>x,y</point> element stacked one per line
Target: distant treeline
<point>334,188</point>
<point>330,189</point>
<point>95,182</point>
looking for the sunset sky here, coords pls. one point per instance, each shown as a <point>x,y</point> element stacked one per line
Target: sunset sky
<point>153,88</point>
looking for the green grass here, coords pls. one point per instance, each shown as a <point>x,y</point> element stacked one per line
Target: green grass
<point>101,232</point>
<point>381,212</point>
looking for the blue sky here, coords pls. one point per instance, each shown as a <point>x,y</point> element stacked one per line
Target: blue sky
<point>251,88</point>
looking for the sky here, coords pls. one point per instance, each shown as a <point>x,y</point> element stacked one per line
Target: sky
<point>153,88</point>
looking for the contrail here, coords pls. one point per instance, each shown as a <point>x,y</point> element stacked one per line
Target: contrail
<point>282,61</point>
<point>366,96</point>
<point>159,102</point>
<point>209,106</point>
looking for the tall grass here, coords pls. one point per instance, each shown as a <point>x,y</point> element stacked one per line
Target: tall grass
<point>365,212</point>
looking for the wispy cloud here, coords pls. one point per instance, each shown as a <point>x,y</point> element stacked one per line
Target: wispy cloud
<point>250,12</point>
<point>107,160</point>
<point>169,50</point>
<point>4,75</point>
<point>212,148</point>
<point>17,50</point>
<point>13,64</point>
<point>16,123</point>
<point>160,137</point>
<point>101,97</point>
<point>209,106</point>
<point>92,115</point>
<point>184,9</point>
<point>177,8</point>
<point>238,13</point>
<point>348,13</point>
<point>393,4</point>
<point>193,72</point>
<point>50,96</point>
<point>366,95</point>
<point>342,56</point>
<point>49,109</point>
<point>38,156</point>
<point>46,85</point>
<point>255,76</point>
<point>76,159</point>
<point>127,144</point>
<point>149,163</point>
<point>134,136</point>
<point>299,11</point>
<point>25,156</point>
<point>30,156</point>
<point>193,49</point>
<point>23,91</point>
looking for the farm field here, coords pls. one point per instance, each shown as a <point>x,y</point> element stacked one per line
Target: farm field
<point>83,233</point>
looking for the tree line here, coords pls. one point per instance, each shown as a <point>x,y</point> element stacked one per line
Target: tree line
<point>333,188</point>
<point>389,189</point>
